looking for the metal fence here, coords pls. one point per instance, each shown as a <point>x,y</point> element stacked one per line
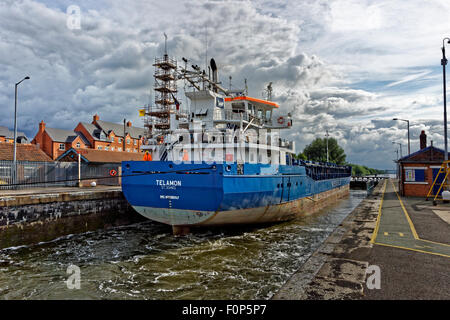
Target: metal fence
<point>54,174</point>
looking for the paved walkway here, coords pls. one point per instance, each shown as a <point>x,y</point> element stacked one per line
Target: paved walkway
<point>33,191</point>
<point>395,227</point>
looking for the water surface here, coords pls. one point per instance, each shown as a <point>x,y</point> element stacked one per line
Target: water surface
<point>144,260</point>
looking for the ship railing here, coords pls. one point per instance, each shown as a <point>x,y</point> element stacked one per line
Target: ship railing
<point>236,116</point>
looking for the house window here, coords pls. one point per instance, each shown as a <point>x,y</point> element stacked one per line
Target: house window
<point>112,148</point>
<point>120,140</point>
<point>415,174</point>
<point>78,145</point>
<point>119,149</point>
<point>107,148</point>
<point>62,146</point>
<point>99,148</point>
<point>128,141</point>
<point>128,149</point>
<point>135,142</point>
<point>112,139</point>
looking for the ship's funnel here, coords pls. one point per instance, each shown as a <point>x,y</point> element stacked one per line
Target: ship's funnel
<point>215,75</point>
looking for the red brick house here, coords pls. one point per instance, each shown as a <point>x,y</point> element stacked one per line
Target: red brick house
<point>7,136</point>
<point>109,136</point>
<point>418,170</point>
<point>54,142</point>
<point>98,135</point>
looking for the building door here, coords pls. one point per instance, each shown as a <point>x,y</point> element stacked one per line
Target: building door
<point>437,185</point>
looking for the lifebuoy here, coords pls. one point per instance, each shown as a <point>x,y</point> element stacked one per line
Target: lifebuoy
<point>281,120</point>
<point>112,172</point>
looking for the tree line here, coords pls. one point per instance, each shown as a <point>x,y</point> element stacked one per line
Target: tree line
<point>317,151</point>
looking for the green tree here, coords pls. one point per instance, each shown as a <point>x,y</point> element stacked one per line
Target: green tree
<point>301,156</point>
<point>317,151</point>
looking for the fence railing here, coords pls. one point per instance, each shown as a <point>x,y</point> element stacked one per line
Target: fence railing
<point>53,174</point>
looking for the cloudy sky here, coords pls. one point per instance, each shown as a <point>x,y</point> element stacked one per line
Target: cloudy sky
<point>343,65</point>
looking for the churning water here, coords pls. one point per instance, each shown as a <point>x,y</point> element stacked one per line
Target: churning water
<point>144,260</point>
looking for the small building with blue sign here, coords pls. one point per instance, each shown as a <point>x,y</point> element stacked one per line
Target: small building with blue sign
<point>418,170</point>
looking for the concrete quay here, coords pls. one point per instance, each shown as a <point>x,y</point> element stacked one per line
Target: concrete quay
<point>44,214</point>
<point>406,239</point>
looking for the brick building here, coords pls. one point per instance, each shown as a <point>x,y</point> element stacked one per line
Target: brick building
<point>109,136</point>
<point>7,136</point>
<point>418,170</point>
<point>98,135</point>
<point>54,142</point>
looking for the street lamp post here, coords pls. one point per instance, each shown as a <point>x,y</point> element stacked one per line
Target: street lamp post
<point>409,146</point>
<point>444,63</point>
<point>15,131</point>
<point>401,154</point>
<point>327,135</point>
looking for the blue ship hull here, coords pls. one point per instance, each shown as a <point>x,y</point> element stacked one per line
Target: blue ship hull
<point>219,194</point>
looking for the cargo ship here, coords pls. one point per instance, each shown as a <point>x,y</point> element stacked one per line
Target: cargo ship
<point>220,160</point>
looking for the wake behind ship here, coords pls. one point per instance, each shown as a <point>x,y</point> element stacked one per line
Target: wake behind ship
<point>221,160</point>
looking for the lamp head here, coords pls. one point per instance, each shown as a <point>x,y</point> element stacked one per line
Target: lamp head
<point>395,119</point>
<point>27,78</point>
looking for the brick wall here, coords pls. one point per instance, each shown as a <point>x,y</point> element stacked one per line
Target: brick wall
<point>418,189</point>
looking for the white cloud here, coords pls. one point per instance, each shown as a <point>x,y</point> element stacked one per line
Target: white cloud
<point>336,65</point>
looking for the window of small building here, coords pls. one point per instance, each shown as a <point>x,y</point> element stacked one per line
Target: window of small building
<point>112,139</point>
<point>112,148</point>
<point>107,148</point>
<point>62,146</point>
<point>135,142</point>
<point>415,175</point>
<point>78,145</point>
<point>119,149</point>
<point>99,148</point>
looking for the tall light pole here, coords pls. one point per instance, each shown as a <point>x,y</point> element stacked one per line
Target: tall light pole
<point>409,146</point>
<point>444,63</point>
<point>327,135</point>
<point>15,130</point>
<point>401,154</point>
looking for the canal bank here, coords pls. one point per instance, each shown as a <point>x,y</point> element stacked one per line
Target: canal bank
<point>43,214</point>
<point>384,236</point>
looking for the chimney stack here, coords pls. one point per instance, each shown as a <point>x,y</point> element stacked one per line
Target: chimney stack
<point>129,124</point>
<point>423,140</point>
<point>42,126</point>
<point>95,118</point>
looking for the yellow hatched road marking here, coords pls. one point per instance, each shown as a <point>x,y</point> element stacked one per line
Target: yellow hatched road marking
<point>401,234</point>
<point>386,233</point>
<point>422,251</point>
<point>375,232</point>
<point>413,230</point>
